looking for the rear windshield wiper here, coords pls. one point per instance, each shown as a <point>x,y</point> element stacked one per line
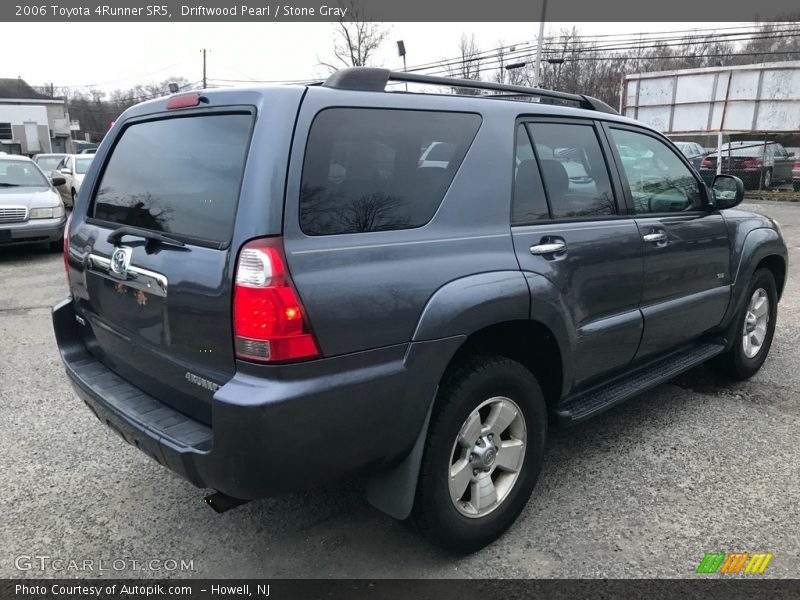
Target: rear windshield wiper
<point>2,184</point>
<point>115,236</point>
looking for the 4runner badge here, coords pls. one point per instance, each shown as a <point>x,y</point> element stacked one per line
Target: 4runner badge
<point>201,381</point>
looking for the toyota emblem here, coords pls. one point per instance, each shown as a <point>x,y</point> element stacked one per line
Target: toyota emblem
<point>120,260</point>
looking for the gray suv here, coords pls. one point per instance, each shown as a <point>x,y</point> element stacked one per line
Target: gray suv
<point>273,288</point>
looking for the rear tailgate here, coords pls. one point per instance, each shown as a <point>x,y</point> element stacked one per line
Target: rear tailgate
<point>156,313</point>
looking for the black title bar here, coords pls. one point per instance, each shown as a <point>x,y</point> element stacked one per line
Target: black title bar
<point>569,11</point>
<point>394,589</point>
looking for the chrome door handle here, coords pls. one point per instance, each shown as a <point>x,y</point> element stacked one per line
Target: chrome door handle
<point>549,248</point>
<point>655,237</point>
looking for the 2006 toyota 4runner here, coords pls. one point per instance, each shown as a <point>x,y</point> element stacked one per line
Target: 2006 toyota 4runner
<point>272,288</point>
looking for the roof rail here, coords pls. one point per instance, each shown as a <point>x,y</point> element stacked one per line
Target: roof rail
<point>371,79</point>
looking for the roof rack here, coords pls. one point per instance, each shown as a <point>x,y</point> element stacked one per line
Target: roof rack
<point>371,79</point>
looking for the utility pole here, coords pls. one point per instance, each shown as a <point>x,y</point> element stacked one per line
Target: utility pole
<point>204,67</point>
<point>538,64</point>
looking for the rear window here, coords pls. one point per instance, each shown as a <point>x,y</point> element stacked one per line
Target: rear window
<point>48,164</point>
<point>179,175</point>
<point>82,164</point>
<point>364,171</point>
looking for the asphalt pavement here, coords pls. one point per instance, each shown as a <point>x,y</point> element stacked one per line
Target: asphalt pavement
<point>644,490</point>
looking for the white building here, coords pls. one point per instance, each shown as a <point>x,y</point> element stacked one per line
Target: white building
<point>31,122</point>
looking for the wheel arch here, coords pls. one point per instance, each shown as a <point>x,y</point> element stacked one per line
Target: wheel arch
<point>761,247</point>
<point>777,265</point>
<point>490,312</point>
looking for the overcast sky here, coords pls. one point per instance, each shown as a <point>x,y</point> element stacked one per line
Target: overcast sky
<point>119,55</point>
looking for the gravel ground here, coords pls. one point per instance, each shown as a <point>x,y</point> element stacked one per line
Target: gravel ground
<point>641,491</point>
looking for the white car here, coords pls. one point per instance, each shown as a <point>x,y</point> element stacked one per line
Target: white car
<point>437,155</point>
<point>72,168</point>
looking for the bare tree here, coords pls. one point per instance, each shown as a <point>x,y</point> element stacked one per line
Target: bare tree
<point>468,65</point>
<point>355,41</point>
<point>586,67</point>
<point>95,110</point>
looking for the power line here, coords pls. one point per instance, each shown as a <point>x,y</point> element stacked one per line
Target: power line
<point>499,58</point>
<point>530,46</point>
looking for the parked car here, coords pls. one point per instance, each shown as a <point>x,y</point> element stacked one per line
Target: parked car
<point>693,151</point>
<point>73,167</point>
<point>757,164</point>
<point>259,322</point>
<point>80,145</point>
<point>31,211</point>
<point>48,162</point>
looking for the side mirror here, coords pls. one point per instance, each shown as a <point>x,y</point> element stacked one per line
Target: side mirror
<point>728,191</point>
<point>66,171</point>
<point>57,181</point>
<point>791,154</point>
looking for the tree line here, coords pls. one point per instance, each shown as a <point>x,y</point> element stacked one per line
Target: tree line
<point>573,64</point>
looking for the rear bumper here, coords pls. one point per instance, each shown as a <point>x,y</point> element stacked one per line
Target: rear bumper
<point>274,429</point>
<point>31,232</point>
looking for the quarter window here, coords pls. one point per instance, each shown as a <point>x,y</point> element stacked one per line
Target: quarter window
<point>379,169</point>
<point>530,203</point>
<point>659,181</point>
<point>574,170</point>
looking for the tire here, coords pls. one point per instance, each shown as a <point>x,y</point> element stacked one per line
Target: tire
<point>766,179</point>
<point>57,246</point>
<point>738,362</point>
<point>500,386</point>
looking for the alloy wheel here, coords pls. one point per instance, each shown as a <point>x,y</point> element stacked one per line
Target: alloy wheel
<point>487,457</point>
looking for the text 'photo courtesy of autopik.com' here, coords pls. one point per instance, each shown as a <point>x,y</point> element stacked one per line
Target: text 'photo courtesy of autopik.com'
<point>389,300</point>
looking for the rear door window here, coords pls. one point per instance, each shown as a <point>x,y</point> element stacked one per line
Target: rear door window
<point>574,170</point>
<point>180,176</point>
<point>367,169</point>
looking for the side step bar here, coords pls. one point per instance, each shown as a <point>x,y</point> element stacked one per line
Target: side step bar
<point>596,400</point>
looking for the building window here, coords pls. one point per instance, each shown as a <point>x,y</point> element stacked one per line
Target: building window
<point>5,131</point>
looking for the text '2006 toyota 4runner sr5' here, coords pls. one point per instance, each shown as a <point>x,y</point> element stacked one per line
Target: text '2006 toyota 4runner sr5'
<point>272,288</point>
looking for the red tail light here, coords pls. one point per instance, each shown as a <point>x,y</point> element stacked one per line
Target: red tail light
<point>796,165</point>
<point>707,163</point>
<point>268,320</point>
<point>751,163</point>
<point>66,245</point>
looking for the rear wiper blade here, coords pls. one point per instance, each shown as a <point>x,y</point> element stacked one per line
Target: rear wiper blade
<point>9,184</point>
<point>116,236</point>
